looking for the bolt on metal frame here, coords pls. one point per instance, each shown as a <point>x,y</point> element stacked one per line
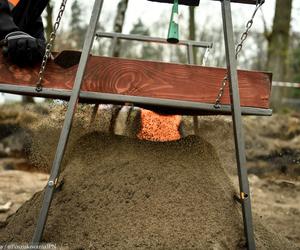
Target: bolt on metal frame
<point>236,111</point>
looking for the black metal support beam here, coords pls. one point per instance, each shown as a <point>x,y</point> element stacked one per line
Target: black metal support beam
<point>190,53</point>
<point>64,136</point>
<point>237,124</point>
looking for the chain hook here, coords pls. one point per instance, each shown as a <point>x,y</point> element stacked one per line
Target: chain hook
<point>238,50</point>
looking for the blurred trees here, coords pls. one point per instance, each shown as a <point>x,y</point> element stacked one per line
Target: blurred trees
<point>49,20</point>
<point>279,40</point>
<point>295,54</point>
<point>141,50</point>
<point>118,25</point>
<point>295,63</point>
<point>77,26</point>
<point>192,30</point>
<point>278,48</point>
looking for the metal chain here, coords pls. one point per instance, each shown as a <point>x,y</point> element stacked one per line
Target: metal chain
<point>238,49</point>
<point>49,46</point>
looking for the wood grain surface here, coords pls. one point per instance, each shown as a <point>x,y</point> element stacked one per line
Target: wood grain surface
<point>146,78</point>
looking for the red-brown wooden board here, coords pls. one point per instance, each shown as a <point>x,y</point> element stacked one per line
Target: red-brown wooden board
<point>146,78</point>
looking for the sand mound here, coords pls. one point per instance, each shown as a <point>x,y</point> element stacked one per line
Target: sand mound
<point>122,193</point>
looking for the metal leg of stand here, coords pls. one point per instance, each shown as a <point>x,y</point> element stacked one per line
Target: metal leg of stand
<point>94,114</point>
<point>96,107</point>
<point>237,124</point>
<point>190,53</point>
<point>64,136</point>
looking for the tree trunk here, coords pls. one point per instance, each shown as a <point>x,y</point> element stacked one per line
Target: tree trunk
<point>192,30</point>
<point>49,20</point>
<point>118,25</point>
<point>278,48</point>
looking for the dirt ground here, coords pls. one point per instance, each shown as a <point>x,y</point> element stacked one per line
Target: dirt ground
<point>16,187</point>
<point>276,200</point>
<point>142,205</point>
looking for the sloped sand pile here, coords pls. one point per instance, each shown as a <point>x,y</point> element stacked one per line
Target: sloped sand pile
<point>122,193</point>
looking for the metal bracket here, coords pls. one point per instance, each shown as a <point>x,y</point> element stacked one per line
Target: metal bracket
<point>235,109</point>
<point>237,124</point>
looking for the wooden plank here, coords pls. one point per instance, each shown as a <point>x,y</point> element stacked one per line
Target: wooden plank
<point>147,79</point>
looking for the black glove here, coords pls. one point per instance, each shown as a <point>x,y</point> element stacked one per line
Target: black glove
<point>23,49</point>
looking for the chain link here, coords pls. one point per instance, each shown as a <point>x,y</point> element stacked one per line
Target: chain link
<point>49,46</point>
<point>238,50</point>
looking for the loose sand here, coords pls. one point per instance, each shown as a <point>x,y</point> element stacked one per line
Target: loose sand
<point>122,193</point>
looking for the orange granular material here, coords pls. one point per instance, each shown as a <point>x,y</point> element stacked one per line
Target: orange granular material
<point>14,2</point>
<point>156,127</point>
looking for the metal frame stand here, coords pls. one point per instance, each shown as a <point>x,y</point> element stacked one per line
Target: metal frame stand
<point>237,124</point>
<point>64,136</point>
<point>235,110</point>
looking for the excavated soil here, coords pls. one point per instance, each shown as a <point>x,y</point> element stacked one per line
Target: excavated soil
<point>122,193</point>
